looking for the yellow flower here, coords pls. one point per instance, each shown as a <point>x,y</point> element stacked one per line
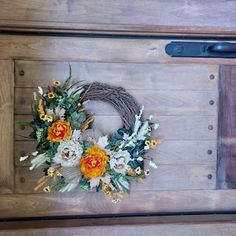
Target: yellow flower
<point>51,95</point>
<point>60,130</point>
<point>147,172</point>
<point>56,82</point>
<point>138,170</point>
<point>42,116</point>
<point>47,189</point>
<point>153,143</point>
<point>94,163</point>
<point>47,118</point>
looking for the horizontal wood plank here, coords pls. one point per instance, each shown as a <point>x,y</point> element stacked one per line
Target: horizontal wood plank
<point>166,177</point>
<point>19,205</point>
<point>169,152</point>
<point>156,102</point>
<point>171,127</point>
<point>129,75</point>
<point>94,49</point>
<point>210,229</point>
<point>132,17</point>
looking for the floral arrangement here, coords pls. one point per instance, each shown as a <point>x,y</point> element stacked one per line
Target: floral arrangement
<point>72,155</point>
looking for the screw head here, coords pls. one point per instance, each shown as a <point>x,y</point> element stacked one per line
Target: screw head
<point>21,72</point>
<point>209,176</point>
<point>22,179</point>
<point>211,102</point>
<point>210,127</point>
<point>211,77</point>
<point>209,152</point>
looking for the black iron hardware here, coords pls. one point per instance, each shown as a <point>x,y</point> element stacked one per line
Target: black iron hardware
<point>201,49</point>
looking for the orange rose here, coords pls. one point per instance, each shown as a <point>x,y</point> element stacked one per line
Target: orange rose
<point>60,130</point>
<point>94,163</point>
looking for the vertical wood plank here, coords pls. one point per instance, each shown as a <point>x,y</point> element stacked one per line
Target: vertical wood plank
<point>6,126</point>
<point>226,172</point>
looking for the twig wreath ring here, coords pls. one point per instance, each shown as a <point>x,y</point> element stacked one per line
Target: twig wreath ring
<point>69,153</point>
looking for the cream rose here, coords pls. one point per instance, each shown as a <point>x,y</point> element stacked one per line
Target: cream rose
<point>119,161</point>
<point>68,153</point>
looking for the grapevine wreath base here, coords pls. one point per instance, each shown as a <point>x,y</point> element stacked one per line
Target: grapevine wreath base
<point>71,152</point>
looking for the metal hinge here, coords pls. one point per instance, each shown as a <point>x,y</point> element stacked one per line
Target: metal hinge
<point>201,49</point>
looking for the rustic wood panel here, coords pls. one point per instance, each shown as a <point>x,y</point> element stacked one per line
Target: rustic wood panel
<point>166,177</point>
<point>169,152</point>
<point>6,130</point>
<point>156,102</point>
<point>19,205</point>
<point>130,75</point>
<point>227,128</point>
<point>96,49</point>
<point>172,127</point>
<point>210,229</point>
<point>131,17</point>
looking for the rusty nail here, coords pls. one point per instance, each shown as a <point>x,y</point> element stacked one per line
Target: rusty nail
<point>210,127</point>
<point>209,176</point>
<point>209,152</point>
<point>22,179</point>
<point>21,72</point>
<point>212,77</point>
<point>211,102</point>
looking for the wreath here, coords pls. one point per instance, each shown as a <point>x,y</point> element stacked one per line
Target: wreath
<point>74,153</point>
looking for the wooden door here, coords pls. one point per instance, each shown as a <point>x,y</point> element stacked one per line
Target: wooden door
<point>182,94</point>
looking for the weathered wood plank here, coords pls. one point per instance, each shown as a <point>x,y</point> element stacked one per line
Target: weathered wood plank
<point>169,152</point>
<point>129,75</point>
<point>132,17</point>
<point>210,229</point>
<point>227,128</point>
<point>166,177</point>
<point>172,127</point>
<point>93,49</point>
<point>82,203</point>
<point>156,102</point>
<point>6,130</point>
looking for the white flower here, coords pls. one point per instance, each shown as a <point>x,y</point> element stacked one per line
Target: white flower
<point>94,182</point>
<point>119,161</point>
<point>76,135</point>
<point>68,153</point>
<point>102,142</point>
<point>40,90</point>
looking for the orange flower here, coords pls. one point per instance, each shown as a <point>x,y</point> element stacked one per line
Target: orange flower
<point>60,130</point>
<point>94,163</point>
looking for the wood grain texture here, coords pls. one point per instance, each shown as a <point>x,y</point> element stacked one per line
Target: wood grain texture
<point>172,127</point>
<point>227,128</point>
<point>166,177</point>
<point>6,130</point>
<point>210,229</point>
<point>156,102</point>
<point>82,203</point>
<point>133,76</point>
<point>168,153</point>
<point>131,17</point>
<point>138,50</point>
